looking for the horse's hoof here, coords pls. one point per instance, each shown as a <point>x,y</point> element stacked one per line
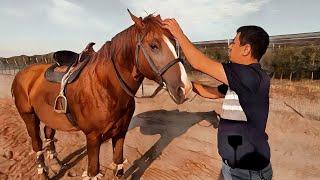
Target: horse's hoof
<point>114,165</point>
<point>85,176</point>
<point>51,154</point>
<point>118,177</point>
<point>43,175</point>
<point>42,169</point>
<point>118,170</point>
<point>118,173</point>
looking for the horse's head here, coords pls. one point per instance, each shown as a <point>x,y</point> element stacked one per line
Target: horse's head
<point>157,59</point>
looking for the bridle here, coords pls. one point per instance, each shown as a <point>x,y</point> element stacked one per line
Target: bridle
<point>157,72</point>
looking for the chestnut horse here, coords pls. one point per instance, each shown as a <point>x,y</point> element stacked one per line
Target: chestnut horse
<point>101,99</point>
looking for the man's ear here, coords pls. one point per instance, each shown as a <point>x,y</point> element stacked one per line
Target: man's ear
<point>137,21</point>
<point>246,50</point>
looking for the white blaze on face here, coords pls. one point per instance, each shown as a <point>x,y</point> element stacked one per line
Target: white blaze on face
<point>184,77</point>
<point>170,46</point>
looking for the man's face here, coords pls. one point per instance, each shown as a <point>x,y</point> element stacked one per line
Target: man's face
<point>234,48</point>
<point>238,52</point>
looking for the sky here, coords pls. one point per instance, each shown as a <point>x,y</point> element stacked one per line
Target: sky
<point>43,26</point>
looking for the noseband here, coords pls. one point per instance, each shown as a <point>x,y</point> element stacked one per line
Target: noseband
<point>157,72</point>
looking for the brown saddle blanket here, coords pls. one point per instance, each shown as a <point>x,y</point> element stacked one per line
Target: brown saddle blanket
<point>64,60</point>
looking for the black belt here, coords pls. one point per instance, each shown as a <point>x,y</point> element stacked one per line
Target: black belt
<point>255,167</point>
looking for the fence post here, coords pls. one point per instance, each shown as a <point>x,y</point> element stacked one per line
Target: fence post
<point>4,66</point>
<point>16,68</point>
<point>8,71</point>
<point>25,63</point>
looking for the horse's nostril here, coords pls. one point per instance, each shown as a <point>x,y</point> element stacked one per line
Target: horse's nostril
<point>181,91</point>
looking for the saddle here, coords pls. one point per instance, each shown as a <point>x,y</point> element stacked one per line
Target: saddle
<point>65,60</point>
<point>65,70</point>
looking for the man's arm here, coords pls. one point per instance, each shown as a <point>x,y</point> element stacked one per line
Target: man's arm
<point>194,56</point>
<point>207,91</point>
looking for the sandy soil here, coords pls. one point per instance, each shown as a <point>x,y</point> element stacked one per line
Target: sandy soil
<point>167,141</point>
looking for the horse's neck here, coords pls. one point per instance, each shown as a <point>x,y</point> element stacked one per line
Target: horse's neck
<point>124,61</point>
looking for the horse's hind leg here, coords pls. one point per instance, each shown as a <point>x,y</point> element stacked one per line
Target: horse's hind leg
<point>33,127</point>
<point>49,142</point>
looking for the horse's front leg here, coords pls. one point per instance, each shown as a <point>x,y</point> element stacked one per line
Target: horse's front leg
<point>117,144</point>
<point>93,149</point>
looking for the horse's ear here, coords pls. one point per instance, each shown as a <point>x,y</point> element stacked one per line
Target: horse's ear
<point>159,17</point>
<point>136,20</point>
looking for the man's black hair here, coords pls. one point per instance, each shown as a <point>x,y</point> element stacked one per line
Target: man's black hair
<point>257,37</point>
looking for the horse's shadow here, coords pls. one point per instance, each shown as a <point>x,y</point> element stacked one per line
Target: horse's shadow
<point>69,161</point>
<point>169,124</point>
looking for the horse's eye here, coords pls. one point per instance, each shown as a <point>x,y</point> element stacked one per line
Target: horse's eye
<point>154,46</point>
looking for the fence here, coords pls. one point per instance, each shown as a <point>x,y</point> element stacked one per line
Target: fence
<point>11,66</point>
<point>295,59</point>
<point>283,61</point>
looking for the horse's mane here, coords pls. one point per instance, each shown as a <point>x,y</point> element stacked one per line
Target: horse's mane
<point>127,39</point>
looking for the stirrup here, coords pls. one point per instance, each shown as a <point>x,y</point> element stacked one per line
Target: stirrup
<point>64,104</point>
<point>61,95</point>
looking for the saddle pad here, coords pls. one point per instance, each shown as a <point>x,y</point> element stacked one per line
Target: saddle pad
<point>56,77</point>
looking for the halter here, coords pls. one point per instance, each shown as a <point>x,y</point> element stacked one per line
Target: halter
<point>158,72</point>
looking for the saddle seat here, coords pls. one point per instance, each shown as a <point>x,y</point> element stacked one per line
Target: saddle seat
<point>65,60</point>
<point>65,57</point>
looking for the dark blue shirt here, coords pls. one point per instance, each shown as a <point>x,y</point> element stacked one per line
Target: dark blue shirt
<point>245,144</point>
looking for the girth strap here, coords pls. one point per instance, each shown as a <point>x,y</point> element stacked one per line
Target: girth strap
<point>71,118</point>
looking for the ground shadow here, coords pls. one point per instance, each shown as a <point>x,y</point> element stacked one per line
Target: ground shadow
<point>70,161</point>
<point>169,124</point>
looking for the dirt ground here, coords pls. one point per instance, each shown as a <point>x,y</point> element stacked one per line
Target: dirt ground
<point>169,141</point>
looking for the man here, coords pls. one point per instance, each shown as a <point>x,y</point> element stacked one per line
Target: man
<point>242,141</point>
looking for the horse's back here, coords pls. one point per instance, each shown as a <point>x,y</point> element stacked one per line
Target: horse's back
<point>23,84</point>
